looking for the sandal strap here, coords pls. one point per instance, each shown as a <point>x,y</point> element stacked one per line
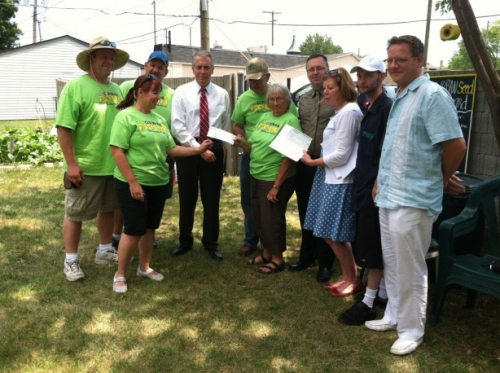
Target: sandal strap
<point>122,279</point>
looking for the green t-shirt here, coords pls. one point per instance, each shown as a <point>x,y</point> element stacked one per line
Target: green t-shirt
<point>249,108</point>
<point>88,108</point>
<point>265,162</point>
<point>145,139</point>
<point>164,105</point>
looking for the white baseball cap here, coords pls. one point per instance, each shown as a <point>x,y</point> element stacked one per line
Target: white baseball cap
<point>370,63</point>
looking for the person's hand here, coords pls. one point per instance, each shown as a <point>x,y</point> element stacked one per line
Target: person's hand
<point>238,140</point>
<point>306,158</point>
<point>205,145</point>
<point>272,196</point>
<point>453,186</point>
<point>374,191</point>
<point>136,191</point>
<point>75,175</point>
<point>208,156</point>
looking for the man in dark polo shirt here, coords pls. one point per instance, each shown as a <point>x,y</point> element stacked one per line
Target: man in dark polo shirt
<point>314,115</point>
<point>367,245</point>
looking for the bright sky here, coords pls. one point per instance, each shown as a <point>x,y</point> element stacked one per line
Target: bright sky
<point>358,26</point>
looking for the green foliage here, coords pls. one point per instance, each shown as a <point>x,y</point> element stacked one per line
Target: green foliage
<point>319,44</point>
<point>443,5</point>
<point>9,32</point>
<point>491,36</point>
<point>27,145</point>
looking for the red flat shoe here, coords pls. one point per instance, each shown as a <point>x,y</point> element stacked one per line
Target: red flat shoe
<point>356,289</point>
<point>332,286</point>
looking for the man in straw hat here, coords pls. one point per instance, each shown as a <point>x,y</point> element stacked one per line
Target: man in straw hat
<point>247,112</point>
<point>87,108</point>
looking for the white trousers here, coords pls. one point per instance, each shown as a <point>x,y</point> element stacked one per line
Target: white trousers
<point>406,236</point>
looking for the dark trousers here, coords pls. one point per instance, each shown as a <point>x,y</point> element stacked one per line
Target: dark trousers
<point>190,172</point>
<point>312,247</point>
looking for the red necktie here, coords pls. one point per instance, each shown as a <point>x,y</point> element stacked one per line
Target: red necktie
<point>204,123</point>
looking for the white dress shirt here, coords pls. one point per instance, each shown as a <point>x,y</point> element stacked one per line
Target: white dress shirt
<point>186,111</point>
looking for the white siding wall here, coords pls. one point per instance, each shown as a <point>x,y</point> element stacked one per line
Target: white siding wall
<point>28,78</point>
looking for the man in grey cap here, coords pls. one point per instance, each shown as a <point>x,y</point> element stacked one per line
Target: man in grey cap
<point>247,112</point>
<point>87,108</point>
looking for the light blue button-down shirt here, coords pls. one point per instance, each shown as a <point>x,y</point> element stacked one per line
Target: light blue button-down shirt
<point>410,170</point>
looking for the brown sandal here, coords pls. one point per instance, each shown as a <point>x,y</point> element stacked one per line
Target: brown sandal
<point>273,267</point>
<point>263,260</point>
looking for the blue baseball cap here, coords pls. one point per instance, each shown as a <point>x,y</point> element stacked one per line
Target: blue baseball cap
<point>159,55</point>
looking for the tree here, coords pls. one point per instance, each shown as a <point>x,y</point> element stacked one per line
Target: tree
<point>491,36</point>
<point>319,44</point>
<point>479,55</point>
<point>9,32</point>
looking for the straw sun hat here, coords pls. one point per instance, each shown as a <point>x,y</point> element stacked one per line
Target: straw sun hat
<point>83,61</point>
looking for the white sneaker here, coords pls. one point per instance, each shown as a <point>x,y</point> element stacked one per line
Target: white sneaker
<point>405,346</point>
<point>380,325</point>
<point>72,270</point>
<point>150,273</point>
<point>119,288</point>
<point>105,257</point>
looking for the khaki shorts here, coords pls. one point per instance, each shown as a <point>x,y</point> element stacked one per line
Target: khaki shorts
<point>97,194</point>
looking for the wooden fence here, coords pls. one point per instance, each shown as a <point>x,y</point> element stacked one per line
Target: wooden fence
<point>228,82</point>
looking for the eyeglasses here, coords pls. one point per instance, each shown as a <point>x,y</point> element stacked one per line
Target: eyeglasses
<point>104,43</point>
<point>316,68</point>
<point>332,73</point>
<point>149,78</point>
<point>276,99</point>
<point>397,61</point>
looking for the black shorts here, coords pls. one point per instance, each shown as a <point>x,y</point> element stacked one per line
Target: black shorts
<point>367,245</point>
<point>139,216</point>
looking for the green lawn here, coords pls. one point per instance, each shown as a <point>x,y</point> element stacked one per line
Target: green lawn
<point>206,316</point>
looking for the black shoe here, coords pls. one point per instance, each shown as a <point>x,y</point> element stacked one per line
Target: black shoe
<point>215,254</point>
<point>299,266</point>
<point>357,314</point>
<point>115,243</point>
<point>380,302</point>
<point>179,250</point>
<point>323,275</point>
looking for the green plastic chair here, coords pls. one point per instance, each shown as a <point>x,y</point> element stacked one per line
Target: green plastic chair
<point>470,270</point>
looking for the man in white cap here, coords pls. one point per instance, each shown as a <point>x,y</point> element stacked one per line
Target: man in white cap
<point>247,112</point>
<point>157,65</point>
<point>86,110</point>
<point>367,245</point>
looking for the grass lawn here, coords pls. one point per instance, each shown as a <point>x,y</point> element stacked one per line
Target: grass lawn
<point>206,316</point>
<point>44,124</point>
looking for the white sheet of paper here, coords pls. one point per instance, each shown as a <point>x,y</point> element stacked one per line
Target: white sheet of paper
<point>291,142</point>
<point>217,133</point>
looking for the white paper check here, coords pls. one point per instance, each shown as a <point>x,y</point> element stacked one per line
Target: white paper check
<point>217,133</point>
<point>291,143</point>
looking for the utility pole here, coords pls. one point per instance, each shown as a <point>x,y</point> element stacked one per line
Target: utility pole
<point>34,21</point>
<point>204,27</point>
<point>154,19</point>
<point>427,30</point>
<point>272,12</point>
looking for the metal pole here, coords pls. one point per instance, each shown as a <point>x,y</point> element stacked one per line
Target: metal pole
<point>154,19</point>
<point>427,30</point>
<point>34,21</point>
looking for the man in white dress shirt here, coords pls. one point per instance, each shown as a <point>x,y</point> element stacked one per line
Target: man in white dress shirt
<point>206,169</point>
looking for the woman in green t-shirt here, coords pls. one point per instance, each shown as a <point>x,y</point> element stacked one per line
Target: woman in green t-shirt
<point>140,139</point>
<point>271,182</point>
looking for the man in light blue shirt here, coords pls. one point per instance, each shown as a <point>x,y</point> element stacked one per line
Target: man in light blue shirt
<point>423,147</point>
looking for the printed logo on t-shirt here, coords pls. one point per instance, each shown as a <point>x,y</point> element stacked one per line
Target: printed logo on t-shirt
<point>259,107</point>
<point>163,101</point>
<point>108,98</point>
<point>151,126</point>
<point>269,127</point>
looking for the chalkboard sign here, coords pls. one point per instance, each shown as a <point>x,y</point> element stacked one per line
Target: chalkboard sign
<point>463,91</point>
